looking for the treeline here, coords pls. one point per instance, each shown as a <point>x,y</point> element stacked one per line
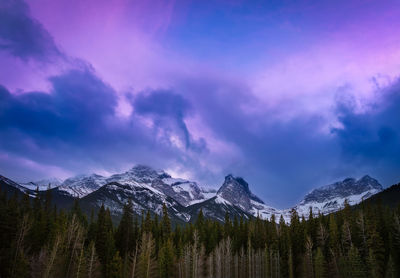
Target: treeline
<point>37,240</point>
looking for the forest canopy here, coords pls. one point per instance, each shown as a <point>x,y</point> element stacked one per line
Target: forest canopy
<point>38,240</point>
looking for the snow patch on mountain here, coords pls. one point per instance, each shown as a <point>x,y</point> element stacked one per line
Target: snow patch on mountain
<point>82,185</point>
<point>332,197</point>
<point>43,184</point>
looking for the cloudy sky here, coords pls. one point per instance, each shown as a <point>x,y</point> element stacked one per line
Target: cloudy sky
<point>288,94</point>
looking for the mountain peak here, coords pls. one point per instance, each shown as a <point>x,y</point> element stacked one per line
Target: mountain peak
<point>236,182</point>
<point>344,189</point>
<point>371,182</point>
<point>142,170</point>
<point>236,191</point>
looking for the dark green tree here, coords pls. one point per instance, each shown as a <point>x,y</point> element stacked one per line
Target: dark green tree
<point>166,260</point>
<point>166,224</point>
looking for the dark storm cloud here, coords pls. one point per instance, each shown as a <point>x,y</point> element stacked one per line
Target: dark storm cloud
<point>21,35</point>
<point>75,126</point>
<point>77,105</point>
<point>372,139</point>
<point>64,127</point>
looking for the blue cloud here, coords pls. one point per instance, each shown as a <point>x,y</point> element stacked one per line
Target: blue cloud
<point>74,126</point>
<point>371,140</point>
<point>78,103</point>
<point>372,136</point>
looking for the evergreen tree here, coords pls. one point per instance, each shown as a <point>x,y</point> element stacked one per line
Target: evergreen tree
<point>114,269</point>
<point>352,265</point>
<point>125,235</point>
<point>319,264</point>
<point>105,245</point>
<point>376,256</point>
<point>93,264</point>
<point>166,224</point>
<point>390,269</point>
<point>166,260</point>
<point>146,261</point>
<point>147,222</point>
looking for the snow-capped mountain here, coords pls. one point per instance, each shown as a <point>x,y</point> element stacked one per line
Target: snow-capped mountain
<point>12,185</point>
<point>236,191</point>
<point>146,187</point>
<point>114,195</point>
<point>184,191</point>
<point>149,189</point>
<point>139,174</point>
<point>235,198</point>
<point>82,185</point>
<point>43,184</point>
<point>331,198</point>
<point>216,208</point>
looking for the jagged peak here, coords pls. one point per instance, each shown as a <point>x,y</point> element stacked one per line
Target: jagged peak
<point>229,179</point>
<point>371,181</point>
<point>236,190</point>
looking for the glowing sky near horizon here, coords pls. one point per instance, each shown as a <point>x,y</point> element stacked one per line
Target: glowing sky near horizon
<point>288,94</point>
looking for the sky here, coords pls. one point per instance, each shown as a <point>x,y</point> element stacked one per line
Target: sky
<point>290,95</point>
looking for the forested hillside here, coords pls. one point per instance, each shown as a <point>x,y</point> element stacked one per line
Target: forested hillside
<point>389,197</point>
<point>37,240</point>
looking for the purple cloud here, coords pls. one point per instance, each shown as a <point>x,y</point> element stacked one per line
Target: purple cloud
<point>23,36</point>
<point>202,90</point>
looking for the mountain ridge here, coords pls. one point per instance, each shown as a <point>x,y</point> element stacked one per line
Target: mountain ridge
<point>150,188</point>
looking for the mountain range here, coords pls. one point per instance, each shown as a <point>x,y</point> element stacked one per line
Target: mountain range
<point>149,189</point>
